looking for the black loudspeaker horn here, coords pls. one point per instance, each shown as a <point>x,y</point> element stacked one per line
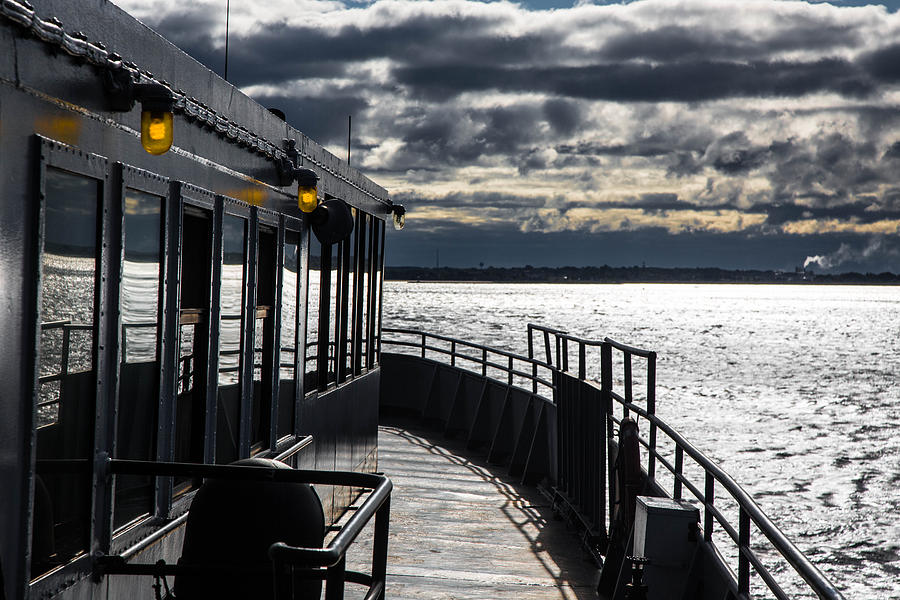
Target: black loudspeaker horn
<point>332,221</point>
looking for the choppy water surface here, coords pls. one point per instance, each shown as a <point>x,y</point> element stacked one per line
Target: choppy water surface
<point>792,389</point>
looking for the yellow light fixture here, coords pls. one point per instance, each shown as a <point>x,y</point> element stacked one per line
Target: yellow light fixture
<point>157,106</point>
<point>307,189</point>
<point>157,128</point>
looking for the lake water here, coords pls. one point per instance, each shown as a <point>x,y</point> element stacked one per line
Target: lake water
<point>792,389</point>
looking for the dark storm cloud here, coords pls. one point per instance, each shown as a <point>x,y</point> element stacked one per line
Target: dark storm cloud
<point>884,64</point>
<point>460,135</point>
<point>893,152</point>
<point>563,115</point>
<point>473,200</point>
<point>279,51</point>
<point>671,43</point>
<point>439,55</point>
<point>322,120</point>
<point>857,212</point>
<point>626,82</point>
<point>826,169</point>
<point>657,144</point>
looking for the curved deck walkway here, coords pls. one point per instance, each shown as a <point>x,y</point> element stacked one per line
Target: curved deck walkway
<point>459,530</point>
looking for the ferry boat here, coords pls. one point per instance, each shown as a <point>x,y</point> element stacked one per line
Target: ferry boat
<point>194,364</point>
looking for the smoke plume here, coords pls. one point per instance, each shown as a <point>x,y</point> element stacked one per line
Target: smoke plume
<point>845,253</point>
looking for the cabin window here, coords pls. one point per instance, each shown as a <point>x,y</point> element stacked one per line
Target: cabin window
<point>264,340</point>
<point>288,343</point>
<point>314,284</point>
<point>234,244</point>
<point>193,338</point>
<point>140,301</point>
<point>329,309</point>
<point>347,301</point>
<point>67,372</point>
<point>361,301</point>
<point>375,294</point>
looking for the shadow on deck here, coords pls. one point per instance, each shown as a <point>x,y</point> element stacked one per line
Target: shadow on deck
<point>459,530</point>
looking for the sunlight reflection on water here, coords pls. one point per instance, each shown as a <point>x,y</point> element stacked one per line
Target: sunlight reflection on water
<point>790,388</point>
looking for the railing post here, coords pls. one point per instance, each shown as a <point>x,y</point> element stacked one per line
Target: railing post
<point>606,411</point>
<point>453,353</point>
<point>530,340</point>
<point>651,409</point>
<point>380,542</point>
<point>559,361</point>
<point>534,368</point>
<point>510,372</point>
<point>64,364</point>
<point>709,497</point>
<point>606,384</point>
<point>582,361</point>
<point>679,470</point>
<point>565,351</point>
<point>423,344</point>
<point>629,396</point>
<point>547,353</point>
<point>334,580</point>
<point>484,362</point>
<point>743,548</point>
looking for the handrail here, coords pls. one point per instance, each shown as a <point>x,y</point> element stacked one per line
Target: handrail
<point>749,511</point>
<point>332,557</point>
<point>480,358</point>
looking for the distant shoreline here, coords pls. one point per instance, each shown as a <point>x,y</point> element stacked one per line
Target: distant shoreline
<point>614,275</point>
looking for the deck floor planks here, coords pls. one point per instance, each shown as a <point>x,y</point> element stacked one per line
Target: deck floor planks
<point>461,530</point>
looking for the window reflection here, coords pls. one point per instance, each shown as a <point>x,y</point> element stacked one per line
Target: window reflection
<point>363,309</point>
<point>314,275</point>
<point>193,339</point>
<point>348,312</point>
<point>288,340</point>
<point>330,307</point>
<point>67,381</point>
<point>139,375</point>
<point>264,340</point>
<point>231,300</point>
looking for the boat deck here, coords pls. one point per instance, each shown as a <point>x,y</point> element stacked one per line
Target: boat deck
<point>459,530</point>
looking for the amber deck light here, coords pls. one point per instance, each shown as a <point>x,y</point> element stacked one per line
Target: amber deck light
<point>156,118</point>
<point>307,192</point>
<point>157,105</point>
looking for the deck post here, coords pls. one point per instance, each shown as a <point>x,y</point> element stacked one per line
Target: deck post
<point>606,411</point>
<point>651,409</point>
<point>743,549</point>
<point>709,497</point>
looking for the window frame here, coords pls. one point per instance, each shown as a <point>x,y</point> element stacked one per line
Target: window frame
<point>129,177</point>
<point>53,154</point>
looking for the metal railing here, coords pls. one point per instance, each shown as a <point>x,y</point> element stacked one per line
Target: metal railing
<point>716,483</point>
<point>476,358</point>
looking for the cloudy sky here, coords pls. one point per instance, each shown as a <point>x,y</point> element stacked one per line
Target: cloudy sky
<point>731,133</point>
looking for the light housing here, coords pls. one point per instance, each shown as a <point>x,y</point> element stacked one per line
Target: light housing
<point>332,221</point>
<point>307,189</point>
<point>399,216</point>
